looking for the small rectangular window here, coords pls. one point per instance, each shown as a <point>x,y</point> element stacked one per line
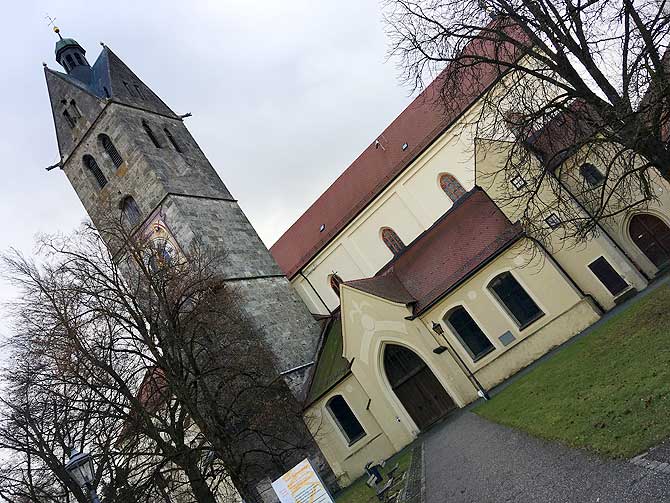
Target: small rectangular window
<point>608,276</point>
<point>518,182</point>
<point>553,221</point>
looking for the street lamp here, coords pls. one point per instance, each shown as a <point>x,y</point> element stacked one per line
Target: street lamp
<point>80,468</point>
<point>437,328</point>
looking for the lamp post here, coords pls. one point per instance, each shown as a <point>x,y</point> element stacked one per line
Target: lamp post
<point>80,468</point>
<point>437,328</point>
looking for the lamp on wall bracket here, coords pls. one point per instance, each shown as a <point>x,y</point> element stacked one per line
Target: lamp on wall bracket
<point>437,328</point>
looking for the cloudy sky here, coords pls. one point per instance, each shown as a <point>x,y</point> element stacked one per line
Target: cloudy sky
<point>284,96</point>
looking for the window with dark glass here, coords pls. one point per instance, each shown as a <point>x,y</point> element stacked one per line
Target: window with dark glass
<point>518,182</point>
<point>111,150</point>
<point>553,221</point>
<point>514,299</point>
<point>335,282</point>
<point>345,419</point>
<point>70,61</point>
<point>80,61</point>
<point>392,241</point>
<point>608,276</point>
<point>469,333</point>
<point>171,139</point>
<point>451,186</point>
<point>151,135</point>
<point>93,167</point>
<point>591,174</point>
<point>130,210</point>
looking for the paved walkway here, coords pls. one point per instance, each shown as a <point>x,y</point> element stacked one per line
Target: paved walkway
<point>469,459</point>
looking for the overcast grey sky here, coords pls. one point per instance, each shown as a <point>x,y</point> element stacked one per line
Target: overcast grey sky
<point>284,95</point>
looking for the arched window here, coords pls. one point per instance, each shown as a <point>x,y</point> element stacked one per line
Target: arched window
<point>129,89</point>
<point>591,174</point>
<point>345,419</point>
<point>139,91</point>
<point>151,135</point>
<point>70,61</point>
<point>70,120</point>
<point>80,61</point>
<point>130,210</point>
<point>74,110</point>
<point>93,167</point>
<point>514,299</point>
<point>109,147</point>
<point>469,333</point>
<point>172,140</point>
<point>335,282</point>
<point>451,186</point>
<point>392,241</point>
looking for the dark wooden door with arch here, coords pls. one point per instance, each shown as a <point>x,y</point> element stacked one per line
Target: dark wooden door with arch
<point>652,237</point>
<point>415,385</point>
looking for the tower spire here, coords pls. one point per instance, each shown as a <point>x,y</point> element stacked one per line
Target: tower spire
<point>72,57</point>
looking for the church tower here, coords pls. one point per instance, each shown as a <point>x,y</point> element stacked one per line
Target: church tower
<point>124,150</point>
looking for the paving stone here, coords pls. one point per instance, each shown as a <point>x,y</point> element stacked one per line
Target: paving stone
<point>471,460</point>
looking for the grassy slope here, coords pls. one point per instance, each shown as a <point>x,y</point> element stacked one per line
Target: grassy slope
<point>358,492</point>
<point>608,392</point>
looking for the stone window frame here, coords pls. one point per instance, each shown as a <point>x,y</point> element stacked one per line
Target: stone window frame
<point>351,437</point>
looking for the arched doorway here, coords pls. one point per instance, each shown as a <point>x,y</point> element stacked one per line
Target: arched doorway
<point>652,236</point>
<point>416,386</point>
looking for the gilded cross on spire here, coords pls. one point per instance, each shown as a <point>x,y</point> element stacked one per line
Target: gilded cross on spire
<point>52,22</point>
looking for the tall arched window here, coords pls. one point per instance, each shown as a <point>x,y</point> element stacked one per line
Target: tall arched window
<point>345,419</point>
<point>109,147</point>
<point>93,167</point>
<point>451,186</point>
<point>79,59</point>
<point>469,333</point>
<point>514,299</point>
<point>172,140</point>
<point>335,282</point>
<point>130,210</point>
<point>392,241</point>
<point>70,61</point>
<point>74,109</point>
<point>70,120</point>
<point>151,135</point>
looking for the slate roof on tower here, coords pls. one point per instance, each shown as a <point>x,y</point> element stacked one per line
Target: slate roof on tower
<point>419,125</point>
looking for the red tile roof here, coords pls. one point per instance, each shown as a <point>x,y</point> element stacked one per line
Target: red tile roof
<point>419,125</point>
<point>465,238</point>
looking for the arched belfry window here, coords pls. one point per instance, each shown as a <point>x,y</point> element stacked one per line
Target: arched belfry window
<point>451,186</point>
<point>174,143</point>
<point>92,166</point>
<point>514,299</point>
<point>468,332</point>
<point>392,241</point>
<point>79,59</point>
<point>109,147</point>
<point>335,282</point>
<point>151,135</point>
<point>345,419</point>
<point>130,210</point>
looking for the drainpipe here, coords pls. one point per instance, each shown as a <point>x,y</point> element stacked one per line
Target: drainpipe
<point>317,293</point>
<point>437,328</point>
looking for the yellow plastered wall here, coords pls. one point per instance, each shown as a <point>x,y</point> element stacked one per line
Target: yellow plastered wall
<point>573,257</point>
<point>566,312</point>
<point>348,460</point>
<point>409,205</point>
<point>370,323</point>
<point>618,226</point>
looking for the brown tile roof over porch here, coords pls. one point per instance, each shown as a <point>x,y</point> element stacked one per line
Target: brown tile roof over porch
<point>464,239</point>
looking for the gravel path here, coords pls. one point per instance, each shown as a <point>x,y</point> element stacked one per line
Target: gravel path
<point>470,459</point>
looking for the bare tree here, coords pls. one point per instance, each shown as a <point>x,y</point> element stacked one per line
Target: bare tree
<point>581,80</point>
<point>159,341</point>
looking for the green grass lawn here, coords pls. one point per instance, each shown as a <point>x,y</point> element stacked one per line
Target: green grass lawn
<point>609,392</point>
<point>358,492</point>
